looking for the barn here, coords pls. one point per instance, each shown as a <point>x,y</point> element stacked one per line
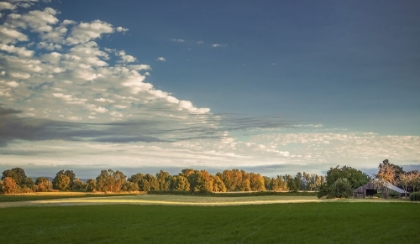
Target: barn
<point>372,188</point>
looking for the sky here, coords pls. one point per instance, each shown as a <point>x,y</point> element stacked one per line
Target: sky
<point>273,87</point>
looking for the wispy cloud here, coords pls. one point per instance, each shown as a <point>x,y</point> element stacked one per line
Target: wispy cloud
<point>219,45</point>
<point>177,40</point>
<point>162,59</point>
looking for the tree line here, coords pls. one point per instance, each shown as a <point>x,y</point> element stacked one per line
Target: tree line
<point>188,180</point>
<point>339,181</point>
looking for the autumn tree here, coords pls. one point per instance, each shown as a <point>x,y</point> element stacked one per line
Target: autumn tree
<point>164,180</point>
<point>405,180</point>
<point>8,186</point>
<point>78,185</point>
<point>245,182</point>
<point>130,186</point>
<point>414,180</point>
<point>42,184</point>
<point>390,172</point>
<point>201,181</point>
<point>90,185</point>
<point>110,181</point>
<point>387,172</point>
<point>256,182</point>
<point>180,183</point>
<point>19,176</point>
<point>232,179</point>
<point>67,176</point>
<point>218,185</point>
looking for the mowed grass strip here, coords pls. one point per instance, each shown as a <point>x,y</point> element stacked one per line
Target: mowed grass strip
<point>273,223</point>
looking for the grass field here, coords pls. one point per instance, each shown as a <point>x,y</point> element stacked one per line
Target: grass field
<point>326,222</point>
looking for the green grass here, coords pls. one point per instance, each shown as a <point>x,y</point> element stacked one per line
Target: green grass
<point>273,223</point>
<point>30,197</point>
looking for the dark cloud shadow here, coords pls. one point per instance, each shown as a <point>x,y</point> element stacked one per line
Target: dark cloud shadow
<point>14,127</point>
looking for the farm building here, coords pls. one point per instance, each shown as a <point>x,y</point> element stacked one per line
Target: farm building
<point>371,188</point>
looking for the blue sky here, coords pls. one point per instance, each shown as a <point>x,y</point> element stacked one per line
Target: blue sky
<point>298,85</point>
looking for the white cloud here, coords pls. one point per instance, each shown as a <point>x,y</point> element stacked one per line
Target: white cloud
<point>36,20</point>
<point>121,29</point>
<point>20,75</point>
<point>48,46</point>
<point>9,35</point>
<point>125,58</point>
<point>219,45</point>
<point>162,59</point>
<point>5,5</point>
<point>85,32</point>
<point>20,51</point>
<point>69,22</point>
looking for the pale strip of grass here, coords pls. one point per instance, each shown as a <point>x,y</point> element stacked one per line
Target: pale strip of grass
<point>186,200</point>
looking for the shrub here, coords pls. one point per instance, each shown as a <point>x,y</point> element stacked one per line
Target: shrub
<point>394,194</point>
<point>415,196</point>
<point>323,191</point>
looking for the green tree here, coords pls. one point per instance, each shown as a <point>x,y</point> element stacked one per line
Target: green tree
<point>341,188</point>
<point>298,181</point>
<point>62,182</point>
<point>180,183</point>
<point>355,177</point>
<point>291,184</point>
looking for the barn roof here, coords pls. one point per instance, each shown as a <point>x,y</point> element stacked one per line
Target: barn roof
<point>394,188</point>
